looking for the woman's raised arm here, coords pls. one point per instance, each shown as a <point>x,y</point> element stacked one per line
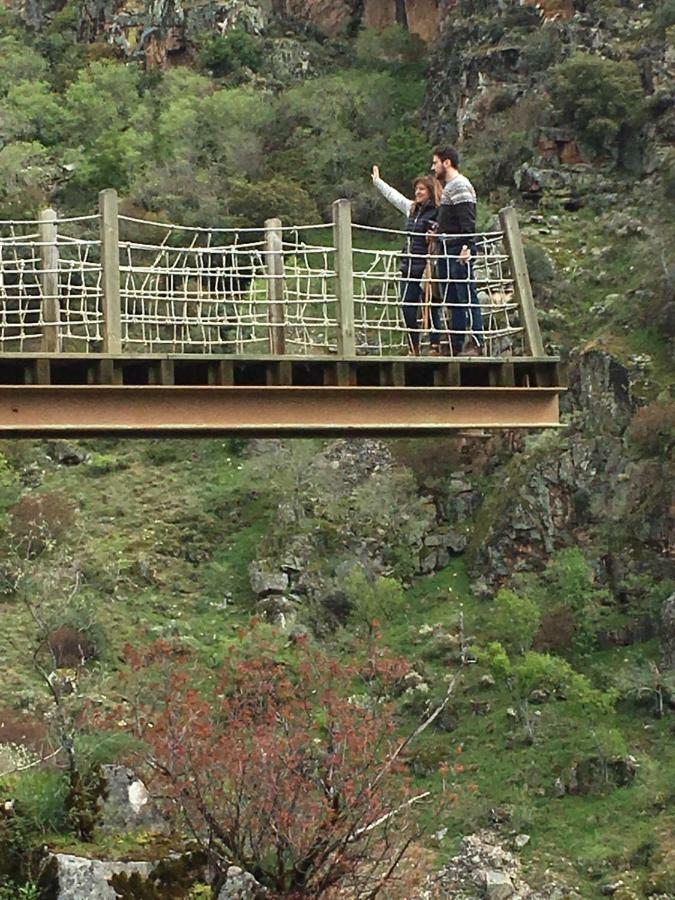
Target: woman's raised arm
<point>391,194</point>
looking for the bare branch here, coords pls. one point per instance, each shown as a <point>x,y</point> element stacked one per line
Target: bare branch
<point>385,818</point>
<point>31,765</point>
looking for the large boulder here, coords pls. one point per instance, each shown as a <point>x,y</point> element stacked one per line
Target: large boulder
<point>266,578</point>
<point>126,805</point>
<point>80,878</point>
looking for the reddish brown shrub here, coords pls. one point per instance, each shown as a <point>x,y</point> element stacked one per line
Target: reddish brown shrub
<point>39,519</point>
<point>555,632</point>
<point>652,428</point>
<point>274,766</point>
<point>69,647</point>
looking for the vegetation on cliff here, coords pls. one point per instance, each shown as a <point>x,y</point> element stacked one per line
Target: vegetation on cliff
<point>562,724</point>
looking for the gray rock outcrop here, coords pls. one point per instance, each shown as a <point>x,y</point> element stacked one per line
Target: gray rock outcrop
<point>241,885</point>
<point>126,806</point>
<point>484,869</point>
<point>88,879</point>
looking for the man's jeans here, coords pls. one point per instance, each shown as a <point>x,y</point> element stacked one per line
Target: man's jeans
<point>458,287</point>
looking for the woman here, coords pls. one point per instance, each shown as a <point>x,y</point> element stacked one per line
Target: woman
<point>421,214</point>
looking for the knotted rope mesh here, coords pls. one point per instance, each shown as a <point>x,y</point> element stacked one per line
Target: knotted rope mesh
<point>379,275</point>
<point>212,290</point>
<point>50,281</point>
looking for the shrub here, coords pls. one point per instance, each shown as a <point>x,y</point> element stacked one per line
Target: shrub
<point>223,54</point>
<point>19,63</point>
<point>539,264</point>
<point>652,428</point>
<point>372,601</point>
<point>40,796</point>
<point>664,17</point>
<point>292,203</point>
<point>9,485</point>
<point>556,631</point>
<point>26,175</point>
<point>272,766</point>
<point>600,98</point>
<point>395,47</point>
<point>514,621</point>
<point>39,520</point>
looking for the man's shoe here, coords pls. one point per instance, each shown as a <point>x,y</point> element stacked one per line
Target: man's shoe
<point>472,350</point>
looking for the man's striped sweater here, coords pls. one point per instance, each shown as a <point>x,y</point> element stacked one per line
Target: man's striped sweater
<point>457,212</point>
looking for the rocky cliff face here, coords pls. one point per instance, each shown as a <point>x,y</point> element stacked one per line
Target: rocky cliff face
<point>483,51</point>
<point>159,31</point>
<point>579,487</point>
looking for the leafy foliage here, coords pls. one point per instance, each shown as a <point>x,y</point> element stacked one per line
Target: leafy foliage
<point>602,99</point>
<point>226,53</point>
<point>273,767</point>
<point>515,620</point>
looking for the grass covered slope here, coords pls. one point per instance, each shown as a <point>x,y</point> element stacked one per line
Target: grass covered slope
<point>158,542</point>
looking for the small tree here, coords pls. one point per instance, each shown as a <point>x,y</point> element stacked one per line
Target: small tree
<point>372,601</point>
<point>514,621</point>
<point>602,99</point>
<point>230,52</point>
<point>272,766</point>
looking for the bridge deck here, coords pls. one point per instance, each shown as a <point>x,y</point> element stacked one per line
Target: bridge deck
<point>48,394</point>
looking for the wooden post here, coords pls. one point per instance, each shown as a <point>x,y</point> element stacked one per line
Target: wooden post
<point>49,280</point>
<point>521,280</point>
<point>274,262</point>
<point>344,280</point>
<point>110,264</point>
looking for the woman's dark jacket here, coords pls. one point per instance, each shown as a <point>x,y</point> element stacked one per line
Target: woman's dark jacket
<point>416,248</point>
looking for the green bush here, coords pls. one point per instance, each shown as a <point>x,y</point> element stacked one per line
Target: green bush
<point>664,17</point>
<point>18,63</point>
<point>601,99</point>
<point>26,175</point>
<point>373,601</point>
<point>539,264</point>
<point>514,621</point>
<point>40,796</point>
<point>291,202</point>
<point>230,52</point>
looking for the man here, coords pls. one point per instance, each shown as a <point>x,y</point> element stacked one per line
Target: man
<point>457,217</point>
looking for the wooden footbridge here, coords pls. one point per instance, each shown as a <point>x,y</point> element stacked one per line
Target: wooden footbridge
<point>115,325</point>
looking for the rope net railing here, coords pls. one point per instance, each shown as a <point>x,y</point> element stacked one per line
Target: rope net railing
<point>190,290</point>
<point>50,282</point>
<point>195,290</point>
<point>434,290</point>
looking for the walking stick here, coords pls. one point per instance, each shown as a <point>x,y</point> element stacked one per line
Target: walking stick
<point>428,297</point>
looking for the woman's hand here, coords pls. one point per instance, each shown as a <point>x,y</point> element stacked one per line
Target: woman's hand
<point>465,255</point>
<point>376,172</point>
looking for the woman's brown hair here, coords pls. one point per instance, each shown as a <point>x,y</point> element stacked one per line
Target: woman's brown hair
<point>433,185</point>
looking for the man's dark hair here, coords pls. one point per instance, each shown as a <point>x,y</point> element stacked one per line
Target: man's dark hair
<point>449,152</point>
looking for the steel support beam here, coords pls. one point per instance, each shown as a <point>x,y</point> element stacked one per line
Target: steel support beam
<point>40,410</point>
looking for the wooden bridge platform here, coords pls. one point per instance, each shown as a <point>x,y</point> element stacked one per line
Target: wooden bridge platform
<point>48,394</point>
